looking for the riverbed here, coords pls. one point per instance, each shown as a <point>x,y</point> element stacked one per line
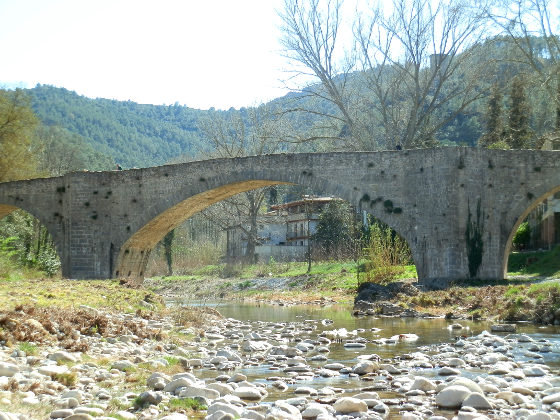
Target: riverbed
<point>390,340</point>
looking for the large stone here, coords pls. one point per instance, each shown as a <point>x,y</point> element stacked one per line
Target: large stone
<point>198,391</point>
<point>62,356</point>
<point>226,408</point>
<point>365,367</point>
<point>150,398</point>
<point>452,396</point>
<point>313,410</point>
<point>347,405</point>
<point>551,399</point>
<point>61,413</point>
<point>52,370</point>
<point>123,365</point>
<point>478,401</point>
<point>468,383</point>
<point>503,328</point>
<point>80,416</point>
<point>423,384</point>
<point>281,410</point>
<point>248,393</point>
<point>177,383</point>
<point>8,369</point>
<point>175,416</point>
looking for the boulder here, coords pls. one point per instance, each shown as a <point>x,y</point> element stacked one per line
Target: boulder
<point>365,367</point>
<point>452,396</point>
<point>422,384</point>
<point>248,393</point>
<point>478,401</point>
<point>347,405</point>
<point>177,383</point>
<point>313,410</point>
<point>198,391</point>
<point>8,369</point>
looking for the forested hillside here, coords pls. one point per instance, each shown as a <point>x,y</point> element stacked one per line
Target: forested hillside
<point>134,135</point>
<point>310,119</point>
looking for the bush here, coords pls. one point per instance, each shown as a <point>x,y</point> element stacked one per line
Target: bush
<point>387,255</point>
<point>522,237</point>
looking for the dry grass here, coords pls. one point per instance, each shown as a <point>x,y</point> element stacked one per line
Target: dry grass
<point>30,323</point>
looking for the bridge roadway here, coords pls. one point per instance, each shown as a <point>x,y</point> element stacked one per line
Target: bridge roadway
<point>457,208</point>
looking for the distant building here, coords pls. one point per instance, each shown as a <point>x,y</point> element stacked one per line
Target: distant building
<point>283,233</point>
<point>545,223</point>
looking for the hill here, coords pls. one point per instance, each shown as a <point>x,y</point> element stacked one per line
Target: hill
<point>134,135</point>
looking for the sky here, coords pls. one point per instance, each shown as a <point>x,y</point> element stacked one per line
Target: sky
<point>198,53</point>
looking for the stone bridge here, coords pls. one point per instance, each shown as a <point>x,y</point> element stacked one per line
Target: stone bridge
<point>457,208</point>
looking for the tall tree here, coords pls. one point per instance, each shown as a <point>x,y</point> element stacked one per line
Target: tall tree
<point>336,230</point>
<point>494,126</point>
<point>533,27</point>
<point>519,134</point>
<point>17,131</point>
<point>417,72</point>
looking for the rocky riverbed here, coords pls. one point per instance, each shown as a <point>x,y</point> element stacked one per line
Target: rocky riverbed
<point>154,368</point>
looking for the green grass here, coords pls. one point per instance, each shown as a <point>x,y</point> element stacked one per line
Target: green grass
<point>106,294</point>
<point>535,264</point>
<point>187,404</point>
<point>28,348</point>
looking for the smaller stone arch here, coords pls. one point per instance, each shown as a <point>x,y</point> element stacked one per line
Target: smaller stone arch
<point>534,203</point>
<point>53,231</point>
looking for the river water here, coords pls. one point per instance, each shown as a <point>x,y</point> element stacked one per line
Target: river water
<point>429,331</point>
<point>369,330</point>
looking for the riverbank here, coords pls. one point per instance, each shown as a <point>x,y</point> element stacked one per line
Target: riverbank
<point>75,356</point>
<point>525,297</point>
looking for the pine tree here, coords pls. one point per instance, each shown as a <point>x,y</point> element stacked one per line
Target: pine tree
<point>519,133</point>
<point>494,127</point>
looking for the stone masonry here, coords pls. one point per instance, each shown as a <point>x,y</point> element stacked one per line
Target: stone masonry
<point>457,208</point>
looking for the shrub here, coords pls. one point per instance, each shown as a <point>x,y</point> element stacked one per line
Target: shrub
<point>387,254</point>
<point>522,236</point>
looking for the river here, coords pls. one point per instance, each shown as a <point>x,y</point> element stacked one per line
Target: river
<point>371,331</point>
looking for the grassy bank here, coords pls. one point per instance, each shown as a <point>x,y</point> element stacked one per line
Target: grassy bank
<point>513,299</point>
<point>332,280</point>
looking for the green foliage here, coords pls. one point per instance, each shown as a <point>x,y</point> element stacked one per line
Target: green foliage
<point>17,136</point>
<point>387,255</point>
<point>187,404</point>
<point>537,263</point>
<point>519,135</point>
<point>132,134</point>
<point>27,243</point>
<point>522,236</point>
<point>473,236</point>
<point>28,348</point>
<point>494,127</point>
<point>336,233</point>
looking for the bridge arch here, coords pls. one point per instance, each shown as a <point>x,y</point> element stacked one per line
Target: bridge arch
<point>519,213</point>
<point>52,228</point>
<point>132,256</point>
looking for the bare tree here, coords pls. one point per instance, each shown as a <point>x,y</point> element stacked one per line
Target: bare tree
<point>407,74</point>
<point>533,26</point>
<point>253,131</point>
